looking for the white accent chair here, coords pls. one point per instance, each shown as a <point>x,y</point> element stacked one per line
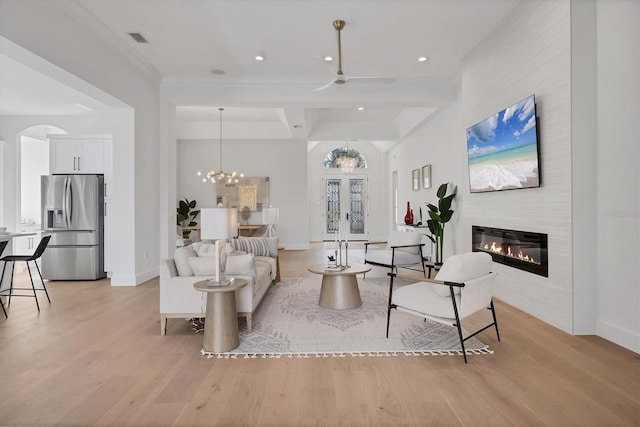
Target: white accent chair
<point>403,249</point>
<point>463,286</point>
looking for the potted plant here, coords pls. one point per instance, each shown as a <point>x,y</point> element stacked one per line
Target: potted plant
<point>187,214</point>
<point>439,216</point>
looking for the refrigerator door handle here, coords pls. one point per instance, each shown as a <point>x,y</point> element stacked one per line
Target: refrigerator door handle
<point>67,204</point>
<point>64,200</point>
<point>71,200</point>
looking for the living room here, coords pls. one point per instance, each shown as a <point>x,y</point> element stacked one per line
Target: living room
<point>549,49</point>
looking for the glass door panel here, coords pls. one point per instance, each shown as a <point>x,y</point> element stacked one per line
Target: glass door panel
<point>346,207</point>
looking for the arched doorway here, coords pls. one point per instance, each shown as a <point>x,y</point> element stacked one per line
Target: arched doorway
<point>345,185</point>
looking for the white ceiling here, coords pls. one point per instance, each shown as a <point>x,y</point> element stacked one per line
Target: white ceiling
<point>381,38</point>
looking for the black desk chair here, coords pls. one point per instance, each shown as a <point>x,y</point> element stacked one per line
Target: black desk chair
<point>26,258</point>
<point>2,246</point>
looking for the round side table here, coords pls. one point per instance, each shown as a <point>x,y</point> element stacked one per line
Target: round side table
<point>221,320</point>
<point>339,287</point>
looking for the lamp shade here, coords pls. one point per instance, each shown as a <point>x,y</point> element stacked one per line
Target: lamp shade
<point>270,216</point>
<point>218,223</point>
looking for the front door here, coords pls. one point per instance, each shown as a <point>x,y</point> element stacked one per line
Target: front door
<point>345,213</point>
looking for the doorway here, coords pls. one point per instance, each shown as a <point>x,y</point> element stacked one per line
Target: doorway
<point>345,200</point>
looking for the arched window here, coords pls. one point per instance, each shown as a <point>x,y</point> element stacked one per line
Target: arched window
<point>344,158</point>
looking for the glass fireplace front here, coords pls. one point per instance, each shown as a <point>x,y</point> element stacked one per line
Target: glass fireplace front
<point>518,249</point>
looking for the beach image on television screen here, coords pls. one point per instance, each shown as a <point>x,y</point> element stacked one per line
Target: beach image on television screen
<point>503,150</point>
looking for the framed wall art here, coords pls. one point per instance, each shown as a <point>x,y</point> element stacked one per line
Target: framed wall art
<point>426,176</point>
<point>415,179</point>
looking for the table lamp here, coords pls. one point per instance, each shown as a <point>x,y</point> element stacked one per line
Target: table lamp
<point>215,224</point>
<point>270,217</point>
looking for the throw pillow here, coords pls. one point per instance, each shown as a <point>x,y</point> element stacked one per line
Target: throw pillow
<point>209,250</point>
<point>204,249</point>
<point>244,265</point>
<point>272,244</point>
<point>256,245</point>
<point>202,266</point>
<point>180,257</point>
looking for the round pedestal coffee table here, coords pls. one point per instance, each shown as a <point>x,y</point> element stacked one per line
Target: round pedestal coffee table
<point>339,287</point>
<point>221,322</point>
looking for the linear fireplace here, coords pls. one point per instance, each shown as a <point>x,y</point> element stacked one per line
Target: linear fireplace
<point>518,249</point>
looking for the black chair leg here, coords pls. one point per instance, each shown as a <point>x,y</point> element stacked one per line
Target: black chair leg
<point>495,321</point>
<point>464,353</point>
<point>1,281</point>
<point>33,286</point>
<point>42,280</point>
<point>458,324</point>
<point>13,263</point>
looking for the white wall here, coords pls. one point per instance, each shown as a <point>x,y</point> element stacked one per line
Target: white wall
<point>284,162</point>
<point>590,160</point>
<point>47,30</point>
<point>34,163</point>
<point>618,208</point>
<point>584,163</point>
<point>440,143</point>
<point>528,54</point>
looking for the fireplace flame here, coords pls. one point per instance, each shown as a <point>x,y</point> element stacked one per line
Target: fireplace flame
<point>498,250</point>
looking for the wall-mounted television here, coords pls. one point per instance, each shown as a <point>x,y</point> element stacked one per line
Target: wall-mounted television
<point>503,150</point>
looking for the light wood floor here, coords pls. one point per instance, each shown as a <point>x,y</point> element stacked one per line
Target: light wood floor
<point>95,357</point>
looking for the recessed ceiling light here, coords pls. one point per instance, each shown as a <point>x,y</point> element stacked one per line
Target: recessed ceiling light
<point>328,58</point>
<point>360,108</point>
<point>423,59</point>
<point>259,58</point>
<point>218,72</point>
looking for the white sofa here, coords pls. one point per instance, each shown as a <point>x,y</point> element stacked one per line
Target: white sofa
<point>251,259</point>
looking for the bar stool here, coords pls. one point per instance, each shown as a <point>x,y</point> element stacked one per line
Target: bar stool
<point>26,258</point>
<point>2,246</point>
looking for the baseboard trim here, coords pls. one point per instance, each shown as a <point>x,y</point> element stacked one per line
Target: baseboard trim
<point>623,337</point>
<point>126,280</point>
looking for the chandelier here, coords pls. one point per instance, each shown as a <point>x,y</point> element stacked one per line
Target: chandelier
<point>348,159</point>
<point>229,178</point>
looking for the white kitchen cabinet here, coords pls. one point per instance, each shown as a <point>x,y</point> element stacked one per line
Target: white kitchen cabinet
<point>77,155</point>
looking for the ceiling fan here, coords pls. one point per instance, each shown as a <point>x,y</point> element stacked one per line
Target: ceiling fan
<point>340,78</point>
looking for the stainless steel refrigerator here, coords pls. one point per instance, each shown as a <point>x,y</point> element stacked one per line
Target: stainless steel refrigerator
<point>73,214</point>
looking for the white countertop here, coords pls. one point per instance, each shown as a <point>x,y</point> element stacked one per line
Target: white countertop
<point>9,236</point>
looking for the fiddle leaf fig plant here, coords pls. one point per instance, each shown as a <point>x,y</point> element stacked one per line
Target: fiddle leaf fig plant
<point>187,214</point>
<point>439,216</point>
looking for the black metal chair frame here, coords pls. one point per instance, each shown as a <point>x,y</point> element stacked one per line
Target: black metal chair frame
<point>26,258</point>
<point>392,266</point>
<point>2,246</point>
<point>457,323</point>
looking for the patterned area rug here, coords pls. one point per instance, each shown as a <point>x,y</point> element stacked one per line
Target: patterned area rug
<point>289,322</point>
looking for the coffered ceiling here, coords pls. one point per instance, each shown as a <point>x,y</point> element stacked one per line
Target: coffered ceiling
<point>215,42</point>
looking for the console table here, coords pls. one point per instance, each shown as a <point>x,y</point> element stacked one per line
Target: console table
<point>251,229</point>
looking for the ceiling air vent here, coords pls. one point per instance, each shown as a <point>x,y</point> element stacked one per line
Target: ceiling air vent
<point>138,37</point>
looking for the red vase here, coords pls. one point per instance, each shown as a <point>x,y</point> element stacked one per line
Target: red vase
<point>408,218</point>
